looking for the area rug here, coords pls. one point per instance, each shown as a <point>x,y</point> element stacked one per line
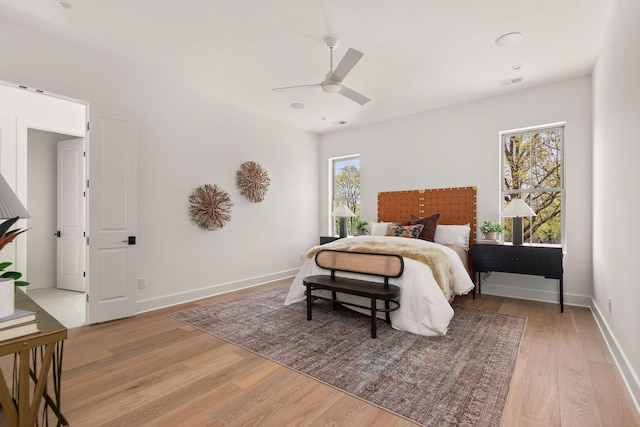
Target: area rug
<point>462,378</point>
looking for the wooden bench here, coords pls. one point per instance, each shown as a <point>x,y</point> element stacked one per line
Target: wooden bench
<point>384,266</point>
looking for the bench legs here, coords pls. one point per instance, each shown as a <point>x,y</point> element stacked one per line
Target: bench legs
<point>374,309</point>
<point>374,315</point>
<point>308,302</point>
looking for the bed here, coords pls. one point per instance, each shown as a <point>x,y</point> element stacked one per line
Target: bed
<point>425,307</point>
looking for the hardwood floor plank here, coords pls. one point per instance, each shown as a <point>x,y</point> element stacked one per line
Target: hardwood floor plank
<point>152,370</point>
<point>614,404</point>
<point>576,394</point>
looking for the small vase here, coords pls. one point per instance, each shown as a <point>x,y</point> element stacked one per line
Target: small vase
<point>7,297</point>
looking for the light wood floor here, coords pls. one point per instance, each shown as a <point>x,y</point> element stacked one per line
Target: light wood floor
<point>151,370</point>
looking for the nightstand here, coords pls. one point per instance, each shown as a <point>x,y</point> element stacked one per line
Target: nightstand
<point>328,239</point>
<point>526,259</point>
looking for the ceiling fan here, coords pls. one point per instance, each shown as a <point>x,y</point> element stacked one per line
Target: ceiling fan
<point>333,79</point>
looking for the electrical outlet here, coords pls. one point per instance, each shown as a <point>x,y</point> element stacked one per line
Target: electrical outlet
<point>142,283</point>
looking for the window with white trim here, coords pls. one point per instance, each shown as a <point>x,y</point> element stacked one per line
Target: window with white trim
<point>345,189</point>
<point>532,169</point>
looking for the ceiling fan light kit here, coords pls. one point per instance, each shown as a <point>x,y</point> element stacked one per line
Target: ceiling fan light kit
<point>333,80</point>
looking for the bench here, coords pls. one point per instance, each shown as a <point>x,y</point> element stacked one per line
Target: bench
<point>383,266</point>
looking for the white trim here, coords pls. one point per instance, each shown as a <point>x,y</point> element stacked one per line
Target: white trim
<point>179,298</point>
<point>535,295</point>
<point>624,367</point>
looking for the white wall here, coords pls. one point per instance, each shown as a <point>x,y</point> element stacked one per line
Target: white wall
<point>187,140</point>
<point>616,200</point>
<point>459,146</point>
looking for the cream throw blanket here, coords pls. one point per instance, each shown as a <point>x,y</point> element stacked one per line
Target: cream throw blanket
<point>435,258</point>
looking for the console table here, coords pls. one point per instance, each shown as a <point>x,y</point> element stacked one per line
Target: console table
<point>526,259</point>
<point>34,357</point>
<point>328,239</point>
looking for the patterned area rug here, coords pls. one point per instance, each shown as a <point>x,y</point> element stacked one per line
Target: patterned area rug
<point>459,379</point>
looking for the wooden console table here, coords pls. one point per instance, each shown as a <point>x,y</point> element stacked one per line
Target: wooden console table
<point>35,356</point>
<point>525,259</point>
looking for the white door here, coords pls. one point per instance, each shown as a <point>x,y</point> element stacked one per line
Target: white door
<point>71,248</point>
<point>112,192</point>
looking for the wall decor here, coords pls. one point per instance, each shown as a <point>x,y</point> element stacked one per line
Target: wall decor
<point>253,181</point>
<point>210,207</point>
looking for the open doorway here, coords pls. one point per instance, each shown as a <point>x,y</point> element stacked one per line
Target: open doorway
<point>55,249</point>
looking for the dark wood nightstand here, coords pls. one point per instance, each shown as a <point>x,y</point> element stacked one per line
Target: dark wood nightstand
<point>328,239</point>
<point>526,259</point>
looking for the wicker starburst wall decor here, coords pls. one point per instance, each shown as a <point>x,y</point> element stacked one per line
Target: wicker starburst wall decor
<point>253,181</point>
<point>210,207</point>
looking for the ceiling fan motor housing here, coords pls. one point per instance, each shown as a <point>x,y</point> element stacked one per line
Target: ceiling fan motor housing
<point>330,86</point>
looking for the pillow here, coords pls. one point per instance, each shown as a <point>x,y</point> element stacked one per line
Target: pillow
<point>378,228</point>
<point>457,235</point>
<point>430,223</point>
<point>411,231</point>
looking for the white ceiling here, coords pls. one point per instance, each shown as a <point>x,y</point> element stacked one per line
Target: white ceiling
<point>418,54</point>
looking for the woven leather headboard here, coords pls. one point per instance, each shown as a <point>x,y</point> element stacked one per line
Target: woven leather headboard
<point>455,206</point>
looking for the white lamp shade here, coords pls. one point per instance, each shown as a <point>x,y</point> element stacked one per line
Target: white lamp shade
<point>10,206</point>
<point>518,207</point>
<point>342,211</point>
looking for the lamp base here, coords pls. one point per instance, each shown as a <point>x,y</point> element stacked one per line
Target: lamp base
<point>343,227</point>
<point>517,230</point>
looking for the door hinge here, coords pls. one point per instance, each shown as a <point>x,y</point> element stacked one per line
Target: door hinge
<point>87,126</point>
<point>87,298</point>
<point>87,241</point>
<point>87,183</point>
<point>84,274</point>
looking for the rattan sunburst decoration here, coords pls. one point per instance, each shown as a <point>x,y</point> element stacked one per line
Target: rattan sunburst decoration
<point>253,181</point>
<point>210,207</point>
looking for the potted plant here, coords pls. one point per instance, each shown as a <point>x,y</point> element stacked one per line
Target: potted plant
<point>491,230</point>
<point>8,279</point>
<point>361,227</point>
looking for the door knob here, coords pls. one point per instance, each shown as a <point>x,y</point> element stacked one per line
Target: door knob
<point>57,233</point>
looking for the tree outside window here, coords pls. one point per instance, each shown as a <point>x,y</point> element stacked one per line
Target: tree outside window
<point>346,190</point>
<point>532,169</point>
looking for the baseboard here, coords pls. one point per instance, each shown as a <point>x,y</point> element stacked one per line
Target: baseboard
<point>539,295</point>
<point>223,288</point>
<point>628,375</point>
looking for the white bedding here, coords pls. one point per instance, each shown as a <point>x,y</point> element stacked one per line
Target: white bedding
<point>424,310</point>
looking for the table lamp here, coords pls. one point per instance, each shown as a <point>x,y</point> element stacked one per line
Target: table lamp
<point>517,209</point>
<point>342,212</point>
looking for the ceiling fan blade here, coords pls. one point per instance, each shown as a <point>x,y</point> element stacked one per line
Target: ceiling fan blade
<point>349,60</point>
<point>354,96</point>
<point>277,89</point>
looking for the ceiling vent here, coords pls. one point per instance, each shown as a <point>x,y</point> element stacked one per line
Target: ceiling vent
<point>511,81</point>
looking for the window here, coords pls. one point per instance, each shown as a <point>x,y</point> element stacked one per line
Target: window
<point>345,190</point>
<point>532,169</point>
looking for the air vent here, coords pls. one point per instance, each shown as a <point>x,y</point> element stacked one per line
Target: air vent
<point>511,81</point>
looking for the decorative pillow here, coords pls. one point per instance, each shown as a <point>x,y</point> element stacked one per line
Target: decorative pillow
<point>453,235</point>
<point>411,231</point>
<point>430,223</point>
<point>378,228</point>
